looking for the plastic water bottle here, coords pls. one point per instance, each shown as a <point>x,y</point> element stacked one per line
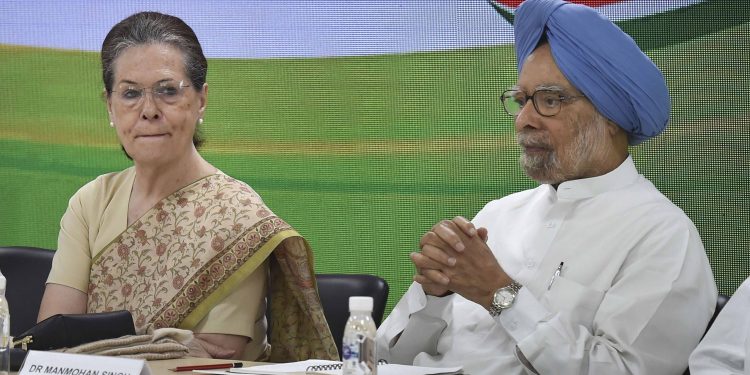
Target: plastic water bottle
<point>5,338</point>
<point>359,339</point>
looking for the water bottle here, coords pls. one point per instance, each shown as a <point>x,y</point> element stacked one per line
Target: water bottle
<point>5,338</point>
<point>358,345</point>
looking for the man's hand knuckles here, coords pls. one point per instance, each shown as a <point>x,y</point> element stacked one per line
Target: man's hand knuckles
<point>430,238</point>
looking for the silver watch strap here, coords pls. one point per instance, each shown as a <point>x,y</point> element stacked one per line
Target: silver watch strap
<point>515,286</point>
<point>495,309</point>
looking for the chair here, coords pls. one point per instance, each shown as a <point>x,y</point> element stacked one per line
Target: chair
<point>335,290</point>
<point>26,269</point>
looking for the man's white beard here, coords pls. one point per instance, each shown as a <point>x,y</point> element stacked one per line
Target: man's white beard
<point>552,168</point>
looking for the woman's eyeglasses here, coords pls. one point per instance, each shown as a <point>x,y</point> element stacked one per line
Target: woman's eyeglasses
<point>167,92</point>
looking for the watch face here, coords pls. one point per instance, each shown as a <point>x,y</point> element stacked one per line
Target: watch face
<point>504,298</point>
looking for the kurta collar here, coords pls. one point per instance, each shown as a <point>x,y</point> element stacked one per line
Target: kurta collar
<point>619,178</point>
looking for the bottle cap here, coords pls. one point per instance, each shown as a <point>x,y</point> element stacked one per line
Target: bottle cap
<point>360,304</point>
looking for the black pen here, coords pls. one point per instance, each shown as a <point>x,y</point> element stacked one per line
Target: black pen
<point>208,367</point>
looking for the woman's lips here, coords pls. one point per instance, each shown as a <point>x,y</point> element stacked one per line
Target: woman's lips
<point>152,136</point>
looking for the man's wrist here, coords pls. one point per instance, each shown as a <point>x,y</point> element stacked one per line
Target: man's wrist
<point>446,294</point>
<point>489,296</point>
<point>503,298</point>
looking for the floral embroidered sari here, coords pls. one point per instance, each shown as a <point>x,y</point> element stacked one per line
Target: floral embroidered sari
<point>193,248</point>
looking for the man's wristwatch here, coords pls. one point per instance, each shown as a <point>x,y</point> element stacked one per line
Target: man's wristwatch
<point>504,298</point>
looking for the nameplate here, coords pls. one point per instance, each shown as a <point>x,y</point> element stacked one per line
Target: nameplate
<point>54,363</point>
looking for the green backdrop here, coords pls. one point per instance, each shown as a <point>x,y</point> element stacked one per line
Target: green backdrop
<point>363,154</point>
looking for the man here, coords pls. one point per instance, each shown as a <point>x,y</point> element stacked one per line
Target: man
<point>594,271</point>
<point>726,347</point>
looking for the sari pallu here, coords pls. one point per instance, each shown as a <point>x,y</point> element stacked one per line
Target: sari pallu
<point>190,250</point>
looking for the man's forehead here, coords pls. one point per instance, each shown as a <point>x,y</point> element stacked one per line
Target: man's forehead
<point>553,86</point>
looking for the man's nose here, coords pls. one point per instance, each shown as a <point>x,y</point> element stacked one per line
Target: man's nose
<point>527,117</point>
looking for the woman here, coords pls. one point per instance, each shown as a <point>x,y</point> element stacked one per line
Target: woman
<point>172,239</point>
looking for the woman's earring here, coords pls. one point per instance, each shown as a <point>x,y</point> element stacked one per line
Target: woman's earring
<point>200,121</point>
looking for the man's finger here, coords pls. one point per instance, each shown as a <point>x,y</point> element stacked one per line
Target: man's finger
<point>446,230</point>
<point>421,279</point>
<point>422,262</point>
<point>465,225</point>
<point>435,276</point>
<point>445,257</point>
<point>483,234</point>
<point>431,288</point>
<point>430,238</point>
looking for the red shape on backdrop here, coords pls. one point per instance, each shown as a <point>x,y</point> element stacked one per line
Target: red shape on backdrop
<point>591,3</point>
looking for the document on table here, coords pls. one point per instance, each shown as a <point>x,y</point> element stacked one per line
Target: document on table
<point>334,368</point>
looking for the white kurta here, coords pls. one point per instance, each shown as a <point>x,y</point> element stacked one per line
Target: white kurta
<point>726,348</point>
<point>634,297</point>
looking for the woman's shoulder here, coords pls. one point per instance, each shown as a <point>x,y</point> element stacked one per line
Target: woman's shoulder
<point>236,194</point>
<point>237,186</point>
<point>106,193</point>
<point>108,182</point>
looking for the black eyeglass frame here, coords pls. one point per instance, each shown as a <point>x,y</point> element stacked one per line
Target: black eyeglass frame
<point>560,96</point>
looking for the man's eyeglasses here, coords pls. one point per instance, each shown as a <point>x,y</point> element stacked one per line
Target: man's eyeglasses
<point>167,92</point>
<point>547,102</point>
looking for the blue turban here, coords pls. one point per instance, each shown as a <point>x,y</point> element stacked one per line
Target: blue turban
<point>600,60</point>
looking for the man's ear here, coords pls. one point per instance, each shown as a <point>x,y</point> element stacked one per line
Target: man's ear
<point>618,135</point>
<point>612,128</point>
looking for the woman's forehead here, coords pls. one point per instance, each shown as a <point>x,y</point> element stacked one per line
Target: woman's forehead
<point>151,62</point>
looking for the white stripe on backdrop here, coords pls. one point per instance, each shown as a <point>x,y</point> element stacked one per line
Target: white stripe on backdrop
<point>627,9</point>
<point>268,29</point>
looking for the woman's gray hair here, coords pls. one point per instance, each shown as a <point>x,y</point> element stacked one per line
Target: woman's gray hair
<point>152,28</point>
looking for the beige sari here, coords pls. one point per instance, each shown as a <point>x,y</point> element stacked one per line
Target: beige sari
<point>193,248</point>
